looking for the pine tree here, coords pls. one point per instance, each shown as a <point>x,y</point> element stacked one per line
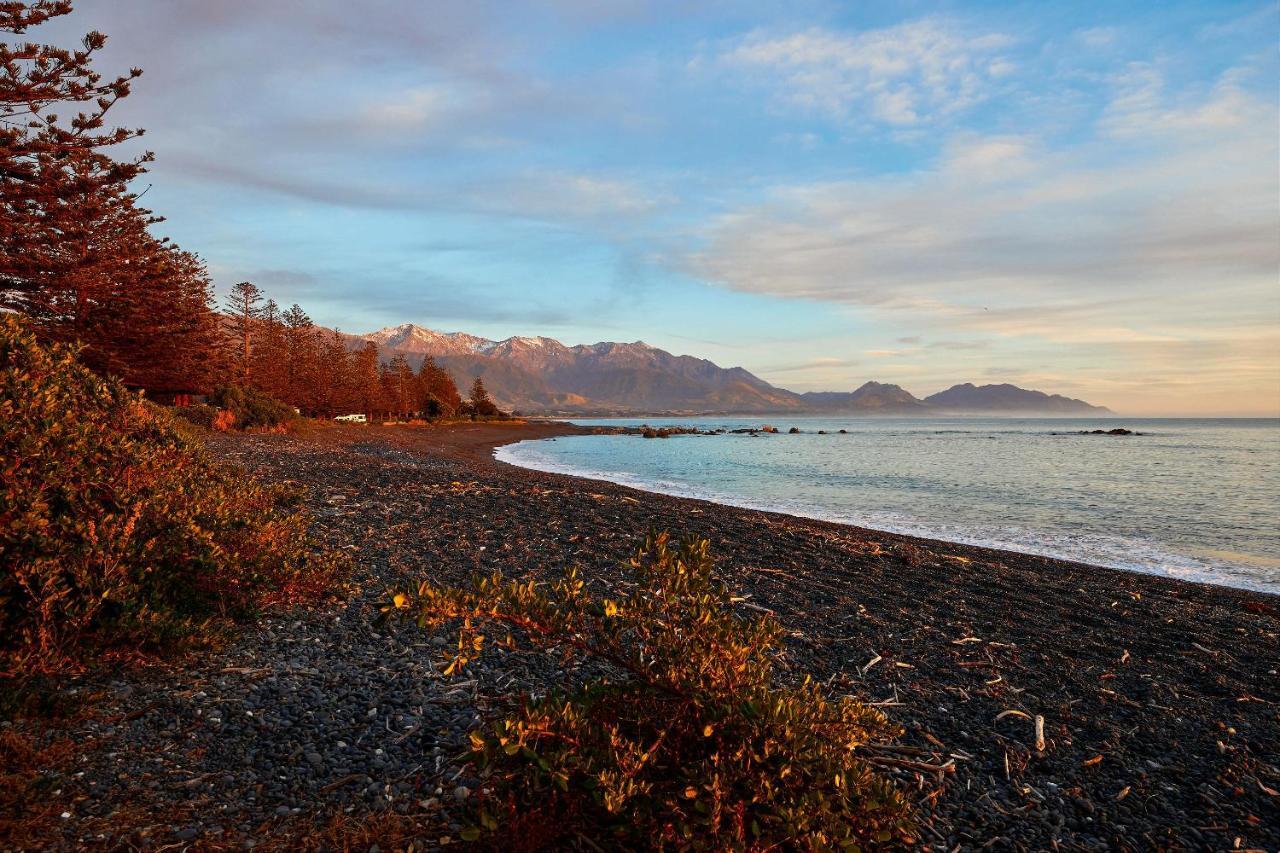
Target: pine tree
<point>366,380</point>
<point>46,163</point>
<point>242,308</point>
<point>336,376</point>
<point>76,255</point>
<point>301,358</point>
<point>479,400</point>
<point>403,386</point>
<point>270,354</point>
<point>439,394</point>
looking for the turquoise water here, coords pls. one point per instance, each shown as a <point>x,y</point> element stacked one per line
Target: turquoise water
<point>1192,499</point>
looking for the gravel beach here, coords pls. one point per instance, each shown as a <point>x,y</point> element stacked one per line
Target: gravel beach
<point>1160,699</point>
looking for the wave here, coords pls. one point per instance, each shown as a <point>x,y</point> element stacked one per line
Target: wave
<point>1097,549</point>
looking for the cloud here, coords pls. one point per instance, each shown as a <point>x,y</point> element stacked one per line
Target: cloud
<point>414,109</point>
<point>821,363</point>
<point>980,159</point>
<point>997,228</point>
<point>1098,37</point>
<point>912,73</point>
<point>575,196</point>
<point>1143,107</point>
<point>554,196</point>
<point>1146,243</point>
<point>959,345</point>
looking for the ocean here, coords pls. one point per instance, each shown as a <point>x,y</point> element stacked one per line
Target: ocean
<point>1196,499</point>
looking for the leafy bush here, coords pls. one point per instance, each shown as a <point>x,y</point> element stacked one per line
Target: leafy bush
<point>114,527</point>
<point>200,414</point>
<point>691,742</point>
<point>251,407</point>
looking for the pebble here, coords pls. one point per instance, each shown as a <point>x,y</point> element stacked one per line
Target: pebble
<point>293,707</point>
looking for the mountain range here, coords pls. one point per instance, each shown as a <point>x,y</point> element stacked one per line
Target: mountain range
<point>538,375</point>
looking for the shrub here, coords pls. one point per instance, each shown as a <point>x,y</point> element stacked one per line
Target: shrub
<point>251,408</point>
<point>115,528</point>
<point>223,420</point>
<point>199,414</point>
<point>690,742</point>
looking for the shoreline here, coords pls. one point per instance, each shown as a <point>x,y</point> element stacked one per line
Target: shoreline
<point>1159,696</point>
<point>496,440</point>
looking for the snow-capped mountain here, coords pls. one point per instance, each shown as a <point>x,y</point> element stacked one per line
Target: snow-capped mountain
<point>542,375</point>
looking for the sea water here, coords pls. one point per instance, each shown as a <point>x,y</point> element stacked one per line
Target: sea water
<point>1191,499</point>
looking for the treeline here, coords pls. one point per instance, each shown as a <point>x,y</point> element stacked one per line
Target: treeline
<point>79,261</point>
<point>76,254</point>
<point>283,354</point>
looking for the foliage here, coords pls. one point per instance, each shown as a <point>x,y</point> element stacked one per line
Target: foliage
<point>478,402</point>
<point>441,397</point>
<point>243,312</point>
<point>76,253</point>
<point>690,742</point>
<point>201,415</point>
<point>284,355</point>
<point>114,528</point>
<point>251,408</point>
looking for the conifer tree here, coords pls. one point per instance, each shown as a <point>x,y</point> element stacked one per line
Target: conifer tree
<point>76,255</point>
<point>479,400</point>
<point>243,309</point>
<point>336,376</point>
<point>440,397</point>
<point>301,358</point>
<point>267,359</point>
<point>401,386</point>
<point>366,381</point>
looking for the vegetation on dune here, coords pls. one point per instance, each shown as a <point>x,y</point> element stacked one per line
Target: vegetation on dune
<point>691,741</point>
<point>250,408</point>
<point>115,529</point>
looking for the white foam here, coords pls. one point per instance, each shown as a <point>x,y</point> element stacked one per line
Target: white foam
<point>1091,548</point>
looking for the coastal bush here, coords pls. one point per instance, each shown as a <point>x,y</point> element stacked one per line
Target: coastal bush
<point>115,529</point>
<point>690,740</point>
<point>251,408</point>
<point>201,415</point>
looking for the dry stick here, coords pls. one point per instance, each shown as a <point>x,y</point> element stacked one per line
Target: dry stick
<point>1039,733</point>
<point>333,786</point>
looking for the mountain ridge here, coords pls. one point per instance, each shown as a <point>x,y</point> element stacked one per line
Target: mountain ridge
<point>541,375</point>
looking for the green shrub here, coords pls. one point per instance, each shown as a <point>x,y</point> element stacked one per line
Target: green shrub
<point>691,742</point>
<point>114,528</point>
<point>251,407</point>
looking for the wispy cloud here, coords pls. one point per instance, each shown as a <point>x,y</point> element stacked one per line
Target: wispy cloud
<point>907,74</point>
<point>997,225</point>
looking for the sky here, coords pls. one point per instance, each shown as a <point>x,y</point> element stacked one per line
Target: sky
<point>1082,198</point>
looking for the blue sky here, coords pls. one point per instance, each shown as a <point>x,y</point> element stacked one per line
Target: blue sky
<point>1079,197</point>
